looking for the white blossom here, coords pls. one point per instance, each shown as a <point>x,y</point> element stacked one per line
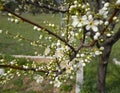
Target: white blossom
<point>35,27</point>
<point>108,35</point>
<point>100,22</point>
<point>83,64</point>
<point>96,36</point>
<point>57,83</point>
<point>104,11</point>
<point>114,18</point>
<point>16,20</point>
<point>59,53</point>
<point>92,24</point>
<point>118,2</point>
<point>106,4</point>
<point>1,31</point>
<point>1,71</point>
<point>38,78</point>
<point>47,51</point>
<point>79,22</point>
<point>106,23</point>
<point>98,52</point>
<point>82,55</point>
<point>101,48</point>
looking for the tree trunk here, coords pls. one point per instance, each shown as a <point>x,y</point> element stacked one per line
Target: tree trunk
<point>102,68</point>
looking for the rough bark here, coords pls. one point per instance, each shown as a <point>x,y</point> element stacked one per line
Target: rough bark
<point>102,69</point>
<point>104,60</point>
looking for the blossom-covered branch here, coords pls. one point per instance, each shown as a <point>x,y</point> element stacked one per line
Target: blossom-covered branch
<point>43,28</point>
<point>25,68</point>
<point>40,5</point>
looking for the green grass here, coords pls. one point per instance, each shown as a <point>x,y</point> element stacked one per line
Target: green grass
<point>8,45</point>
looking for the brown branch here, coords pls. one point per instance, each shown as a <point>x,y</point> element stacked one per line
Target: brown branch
<point>45,29</point>
<point>22,68</point>
<point>113,39</point>
<point>40,5</point>
<point>110,20</point>
<point>67,29</point>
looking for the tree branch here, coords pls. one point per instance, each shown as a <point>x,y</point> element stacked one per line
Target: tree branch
<point>113,39</point>
<point>45,29</point>
<point>22,68</point>
<point>40,5</point>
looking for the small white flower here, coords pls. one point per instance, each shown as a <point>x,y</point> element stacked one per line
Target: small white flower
<point>118,2</point>
<point>51,82</point>
<point>58,43</point>
<point>12,20</point>
<point>95,37</point>
<point>38,78</point>
<point>16,20</point>
<point>12,63</point>
<point>108,35</point>
<point>57,83</point>
<point>82,55</point>
<point>1,71</point>
<point>103,12</point>
<point>106,4</point>
<point>35,27</point>
<point>75,21</point>
<point>59,53</point>
<point>98,52</point>
<point>100,22</point>
<point>114,18</point>
<point>9,14</point>
<point>1,31</point>
<point>71,77</point>
<point>97,34</point>
<point>92,24</point>
<point>78,55</point>
<point>47,51</point>
<point>101,48</point>
<point>75,2</point>
<point>25,67</point>
<point>38,29</point>
<point>106,23</point>
<point>79,22</point>
<point>83,64</point>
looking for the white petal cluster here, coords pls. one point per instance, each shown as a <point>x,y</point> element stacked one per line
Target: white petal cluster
<point>38,78</point>
<point>118,2</point>
<point>79,22</point>
<point>36,28</point>
<point>1,31</point>
<point>1,71</point>
<point>104,11</point>
<point>96,36</point>
<point>98,52</point>
<point>92,24</point>
<point>47,51</point>
<point>57,83</point>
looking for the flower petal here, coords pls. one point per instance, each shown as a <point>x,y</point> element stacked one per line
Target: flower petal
<point>90,17</point>
<point>95,28</point>
<point>88,27</point>
<point>96,22</point>
<point>75,21</point>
